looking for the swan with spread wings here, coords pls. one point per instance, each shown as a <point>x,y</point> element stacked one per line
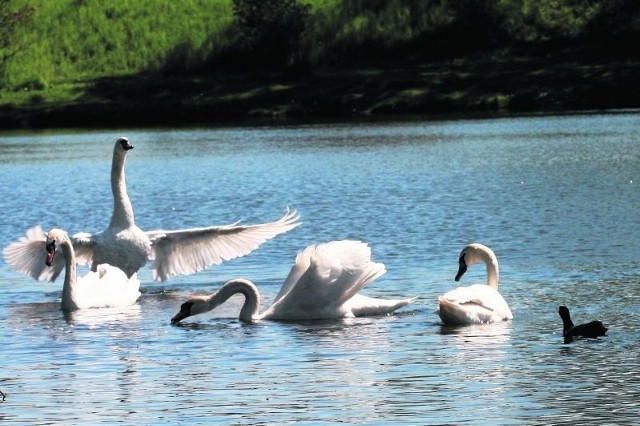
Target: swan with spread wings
<point>124,245</point>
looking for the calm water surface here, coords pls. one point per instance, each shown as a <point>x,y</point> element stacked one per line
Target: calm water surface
<point>555,197</point>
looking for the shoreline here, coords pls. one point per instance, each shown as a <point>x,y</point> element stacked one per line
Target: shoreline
<point>308,121</point>
<point>471,87</point>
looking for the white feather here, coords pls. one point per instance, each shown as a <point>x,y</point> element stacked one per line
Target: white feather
<point>108,286</point>
<point>322,284</point>
<point>127,247</point>
<point>477,303</point>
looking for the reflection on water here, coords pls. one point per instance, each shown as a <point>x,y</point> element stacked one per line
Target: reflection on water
<point>555,198</point>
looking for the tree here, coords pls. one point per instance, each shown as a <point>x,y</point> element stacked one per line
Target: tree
<point>10,20</point>
<point>270,29</point>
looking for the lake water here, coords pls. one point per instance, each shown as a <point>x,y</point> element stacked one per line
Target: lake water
<point>557,198</point>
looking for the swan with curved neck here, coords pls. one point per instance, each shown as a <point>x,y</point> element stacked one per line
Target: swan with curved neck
<point>477,303</point>
<point>323,284</point>
<point>124,245</point>
<point>106,287</point>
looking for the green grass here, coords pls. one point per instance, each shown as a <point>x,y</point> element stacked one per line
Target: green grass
<point>82,39</point>
<point>151,61</point>
<point>72,40</point>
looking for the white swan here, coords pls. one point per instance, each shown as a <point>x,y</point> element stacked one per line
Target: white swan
<point>127,247</point>
<point>477,303</point>
<point>106,287</point>
<point>323,283</point>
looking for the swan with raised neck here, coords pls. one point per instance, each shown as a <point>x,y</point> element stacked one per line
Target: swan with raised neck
<point>57,237</point>
<point>124,245</point>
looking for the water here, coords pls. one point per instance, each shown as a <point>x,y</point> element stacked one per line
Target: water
<point>555,197</point>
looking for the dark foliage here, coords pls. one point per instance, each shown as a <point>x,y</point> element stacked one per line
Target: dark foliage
<point>269,31</point>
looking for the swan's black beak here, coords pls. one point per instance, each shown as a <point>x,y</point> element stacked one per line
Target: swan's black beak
<point>51,253</point>
<point>185,311</point>
<point>178,317</point>
<point>462,268</point>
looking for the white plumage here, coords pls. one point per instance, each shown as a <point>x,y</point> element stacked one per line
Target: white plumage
<point>477,303</point>
<point>124,245</point>
<point>108,286</point>
<point>323,283</point>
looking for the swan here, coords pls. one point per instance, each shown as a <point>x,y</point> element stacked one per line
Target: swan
<point>591,329</point>
<point>477,303</point>
<point>322,284</point>
<point>124,245</point>
<point>108,286</point>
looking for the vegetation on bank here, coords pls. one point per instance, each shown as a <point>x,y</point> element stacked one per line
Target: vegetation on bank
<point>153,61</point>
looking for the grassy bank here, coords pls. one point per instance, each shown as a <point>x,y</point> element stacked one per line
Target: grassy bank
<point>180,63</point>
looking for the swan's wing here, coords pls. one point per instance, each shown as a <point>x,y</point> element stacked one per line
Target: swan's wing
<point>474,304</point>
<point>347,266</point>
<point>336,272</point>
<point>477,294</point>
<point>190,250</point>
<point>27,254</point>
<point>302,263</point>
<point>83,244</point>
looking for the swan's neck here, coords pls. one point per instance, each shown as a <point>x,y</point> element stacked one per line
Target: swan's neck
<point>122,215</point>
<point>493,271</point>
<point>249,311</point>
<point>70,276</point>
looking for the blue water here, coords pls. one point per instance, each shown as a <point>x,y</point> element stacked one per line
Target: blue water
<point>555,197</point>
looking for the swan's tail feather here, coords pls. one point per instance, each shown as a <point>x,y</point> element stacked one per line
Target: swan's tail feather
<point>362,306</point>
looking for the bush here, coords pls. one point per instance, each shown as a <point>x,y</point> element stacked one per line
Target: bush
<point>270,30</point>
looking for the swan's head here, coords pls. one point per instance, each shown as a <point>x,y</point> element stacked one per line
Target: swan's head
<point>462,266</point>
<point>470,255</point>
<point>54,239</point>
<point>123,144</point>
<point>194,306</point>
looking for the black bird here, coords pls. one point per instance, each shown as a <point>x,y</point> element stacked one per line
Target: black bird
<point>591,329</point>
